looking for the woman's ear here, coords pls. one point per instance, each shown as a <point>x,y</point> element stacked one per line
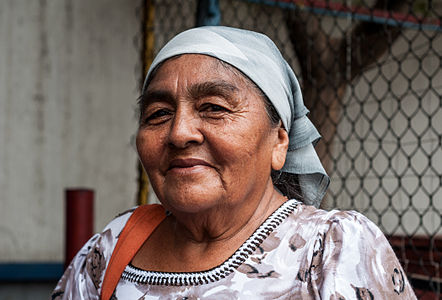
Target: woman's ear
<point>280,149</point>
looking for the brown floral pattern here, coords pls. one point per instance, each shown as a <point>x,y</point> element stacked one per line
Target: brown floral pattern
<point>95,260</point>
<point>310,254</point>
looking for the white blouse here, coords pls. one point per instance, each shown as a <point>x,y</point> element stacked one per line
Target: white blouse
<point>299,252</point>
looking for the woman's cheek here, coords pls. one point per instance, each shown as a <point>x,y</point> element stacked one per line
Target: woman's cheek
<point>146,149</point>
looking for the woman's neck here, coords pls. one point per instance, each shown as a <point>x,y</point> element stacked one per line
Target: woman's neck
<point>222,224</point>
<point>186,243</point>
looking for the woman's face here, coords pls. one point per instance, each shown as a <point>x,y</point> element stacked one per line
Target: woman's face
<point>205,139</point>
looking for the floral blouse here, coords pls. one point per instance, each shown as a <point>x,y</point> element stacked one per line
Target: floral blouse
<point>299,252</point>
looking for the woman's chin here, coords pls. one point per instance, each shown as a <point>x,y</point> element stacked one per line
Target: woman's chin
<point>191,199</point>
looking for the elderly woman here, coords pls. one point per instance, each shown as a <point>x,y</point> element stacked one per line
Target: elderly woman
<point>227,146</point>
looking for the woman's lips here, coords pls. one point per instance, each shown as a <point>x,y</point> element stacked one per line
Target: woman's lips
<point>187,165</point>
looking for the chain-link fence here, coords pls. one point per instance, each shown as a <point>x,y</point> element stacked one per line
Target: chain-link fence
<point>372,79</point>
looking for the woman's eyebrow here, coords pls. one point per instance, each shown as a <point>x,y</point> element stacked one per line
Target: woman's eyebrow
<point>213,88</point>
<point>196,91</point>
<point>154,95</point>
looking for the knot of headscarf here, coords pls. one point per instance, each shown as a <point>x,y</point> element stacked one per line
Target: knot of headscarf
<point>255,55</point>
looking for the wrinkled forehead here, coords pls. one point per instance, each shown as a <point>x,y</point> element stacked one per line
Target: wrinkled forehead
<point>212,63</point>
<point>200,63</point>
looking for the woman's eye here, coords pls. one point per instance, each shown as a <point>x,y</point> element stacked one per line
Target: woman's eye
<point>157,117</point>
<point>209,107</point>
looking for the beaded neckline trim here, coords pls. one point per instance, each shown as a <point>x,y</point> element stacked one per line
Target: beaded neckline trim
<point>136,275</point>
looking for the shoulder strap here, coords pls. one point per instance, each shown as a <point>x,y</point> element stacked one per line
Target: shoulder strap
<point>138,228</point>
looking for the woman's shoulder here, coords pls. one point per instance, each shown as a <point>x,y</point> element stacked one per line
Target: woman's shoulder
<point>111,232</point>
<point>323,214</point>
<point>348,221</point>
<point>349,254</point>
<point>117,224</point>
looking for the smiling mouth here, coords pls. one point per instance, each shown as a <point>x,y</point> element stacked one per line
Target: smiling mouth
<point>187,163</point>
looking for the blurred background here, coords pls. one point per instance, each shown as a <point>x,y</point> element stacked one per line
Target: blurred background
<point>71,71</point>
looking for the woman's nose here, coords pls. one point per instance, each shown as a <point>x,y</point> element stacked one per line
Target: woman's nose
<point>185,129</point>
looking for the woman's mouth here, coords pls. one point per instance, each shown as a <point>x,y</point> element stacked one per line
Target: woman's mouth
<point>187,165</point>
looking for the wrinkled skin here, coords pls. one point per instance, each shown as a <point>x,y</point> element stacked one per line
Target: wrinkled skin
<point>196,109</point>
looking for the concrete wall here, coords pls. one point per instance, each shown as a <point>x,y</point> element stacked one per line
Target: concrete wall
<point>68,87</point>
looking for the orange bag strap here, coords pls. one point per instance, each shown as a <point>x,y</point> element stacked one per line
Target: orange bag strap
<point>138,228</point>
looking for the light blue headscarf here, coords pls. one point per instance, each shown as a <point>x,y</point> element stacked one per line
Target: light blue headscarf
<point>256,56</point>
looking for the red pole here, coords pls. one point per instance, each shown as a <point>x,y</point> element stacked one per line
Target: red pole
<point>79,220</point>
